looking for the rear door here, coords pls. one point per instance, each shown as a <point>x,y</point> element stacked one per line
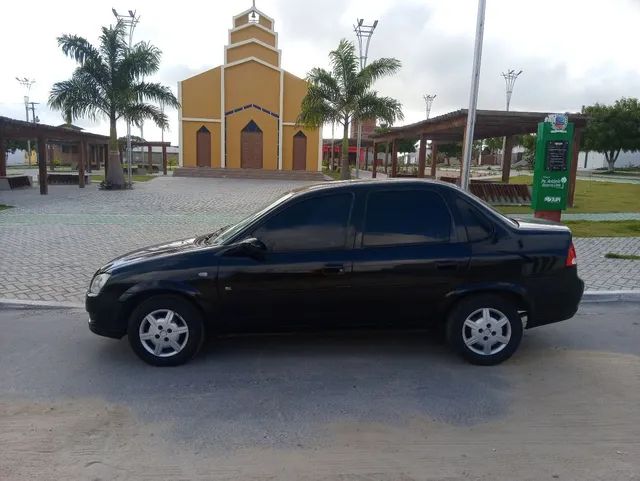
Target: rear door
<point>409,255</point>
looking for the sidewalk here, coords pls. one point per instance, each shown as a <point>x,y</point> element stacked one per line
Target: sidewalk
<point>52,245</point>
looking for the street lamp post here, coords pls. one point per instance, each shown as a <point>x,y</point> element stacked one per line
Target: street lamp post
<point>363,33</point>
<point>510,77</point>
<point>129,20</point>
<point>428,100</point>
<point>27,82</point>
<point>473,97</point>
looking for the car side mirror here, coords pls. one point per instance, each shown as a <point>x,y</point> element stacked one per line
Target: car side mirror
<point>250,247</point>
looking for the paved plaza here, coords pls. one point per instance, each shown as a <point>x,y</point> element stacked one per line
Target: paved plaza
<point>51,245</point>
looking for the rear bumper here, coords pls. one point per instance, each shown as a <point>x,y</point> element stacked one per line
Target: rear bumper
<point>556,301</point>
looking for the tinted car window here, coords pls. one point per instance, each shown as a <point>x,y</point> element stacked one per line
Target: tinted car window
<point>406,217</point>
<point>478,226</point>
<point>313,224</point>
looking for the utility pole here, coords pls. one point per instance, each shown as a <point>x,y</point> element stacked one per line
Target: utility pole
<point>473,97</point>
<point>27,82</point>
<point>130,20</point>
<point>34,118</point>
<point>363,33</point>
<point>510,77</point>
<point>428,100</point>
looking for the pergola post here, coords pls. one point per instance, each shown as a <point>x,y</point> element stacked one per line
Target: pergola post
<point>164,159</point>
<point>374,167</point>
<point>577,137</point>
<point>105,158</point>
<point>422,156</point>
<point>386,157</point>
<point>3,157</point>
<point>52,164</point>
<point>150,158</point>
<point>82,161</point>
<point>42,165</point>
<point>394,158</point>
<point>506,163</point>
<point>434,158</point>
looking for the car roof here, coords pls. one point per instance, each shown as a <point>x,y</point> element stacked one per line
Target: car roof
<point>369,184</point>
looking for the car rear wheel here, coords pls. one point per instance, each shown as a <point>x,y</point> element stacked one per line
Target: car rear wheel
<point>165,330</point>
<point>484,329</point>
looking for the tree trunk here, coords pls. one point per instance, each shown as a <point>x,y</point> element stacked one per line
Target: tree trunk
<point>611,158</point>
<point>115,176</point>
<point>345,172</point>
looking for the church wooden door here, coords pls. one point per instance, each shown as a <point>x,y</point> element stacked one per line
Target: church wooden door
<point>251,147</point>
<point>203,147</point>
<point>299,151</point>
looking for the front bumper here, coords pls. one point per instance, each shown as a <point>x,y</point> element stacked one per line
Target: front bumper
<point>104,315</point>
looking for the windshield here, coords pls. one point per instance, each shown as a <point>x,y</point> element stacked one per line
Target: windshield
<point>229,232</point>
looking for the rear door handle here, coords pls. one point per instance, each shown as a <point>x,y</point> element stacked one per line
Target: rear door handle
<point>447,266</point>
<point>333,269</point>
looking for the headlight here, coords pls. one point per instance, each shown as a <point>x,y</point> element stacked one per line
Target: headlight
<point>97,283</point>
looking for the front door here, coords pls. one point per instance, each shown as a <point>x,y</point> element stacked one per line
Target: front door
<point>299,151</point>
<point>251,147</point>
<point>304,277</point>
<point>409,257</point>
<point>203,147</point>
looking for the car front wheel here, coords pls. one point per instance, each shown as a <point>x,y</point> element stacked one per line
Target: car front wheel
<point>165,330</point>
<point>484,329</point>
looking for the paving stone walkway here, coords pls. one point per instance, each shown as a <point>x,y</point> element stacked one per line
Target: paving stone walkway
<point>51,245</point>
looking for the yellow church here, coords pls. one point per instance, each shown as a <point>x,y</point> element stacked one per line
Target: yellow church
<point>242,115</point>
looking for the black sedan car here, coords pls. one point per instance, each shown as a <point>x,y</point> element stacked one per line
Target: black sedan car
<point>399,253</point>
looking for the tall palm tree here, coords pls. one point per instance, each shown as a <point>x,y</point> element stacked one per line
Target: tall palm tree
<point>344,95</point>
<point>109,83</point>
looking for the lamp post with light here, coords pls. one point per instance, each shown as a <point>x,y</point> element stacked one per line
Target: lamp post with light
<point>130,20</point>
<point>363,33</point>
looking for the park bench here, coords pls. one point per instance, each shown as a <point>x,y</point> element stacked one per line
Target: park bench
<point>11,182</point>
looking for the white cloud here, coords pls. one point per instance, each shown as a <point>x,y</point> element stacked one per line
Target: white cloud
<point>573,52</point>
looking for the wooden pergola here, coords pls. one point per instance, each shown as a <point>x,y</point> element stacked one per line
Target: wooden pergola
<point>12,129</point>
<point>149,146</point>
<point>450,128</point>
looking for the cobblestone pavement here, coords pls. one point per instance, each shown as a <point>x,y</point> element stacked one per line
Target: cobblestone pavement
<point>51,245</point>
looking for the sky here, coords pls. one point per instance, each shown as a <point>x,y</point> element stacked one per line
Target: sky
<point>572,52</point>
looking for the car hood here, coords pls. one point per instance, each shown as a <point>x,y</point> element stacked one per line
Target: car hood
<point>154,252</point>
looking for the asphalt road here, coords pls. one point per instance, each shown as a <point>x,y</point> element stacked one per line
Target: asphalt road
<point>332,406</point>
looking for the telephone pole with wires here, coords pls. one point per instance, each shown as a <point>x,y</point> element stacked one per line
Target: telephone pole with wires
<point>27,83</point>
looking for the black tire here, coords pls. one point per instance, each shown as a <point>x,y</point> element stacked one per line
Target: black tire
<point>487,330</point>
<point>185,314</point>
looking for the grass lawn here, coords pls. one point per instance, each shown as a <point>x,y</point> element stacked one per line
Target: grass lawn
<point>334,174</point>
<point>615,255</point>
<point>4,207</point>
<point>606,228</point>
<point>591,196</point>
<point>135,178</point>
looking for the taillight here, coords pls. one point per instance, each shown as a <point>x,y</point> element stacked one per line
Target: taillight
<point>572,259</point>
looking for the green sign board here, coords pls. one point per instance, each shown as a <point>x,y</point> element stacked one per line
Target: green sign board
<point>551,175</point>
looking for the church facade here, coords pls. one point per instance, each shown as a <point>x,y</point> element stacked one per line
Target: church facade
<point>242,115</point>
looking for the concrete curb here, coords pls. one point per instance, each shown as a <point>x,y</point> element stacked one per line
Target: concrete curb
<point>39,304</point>
<point>588,297</point>
<point>611,296</point>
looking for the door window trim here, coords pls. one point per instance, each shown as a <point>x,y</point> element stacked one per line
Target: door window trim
<point>296,200</point>
<point>453,234</point>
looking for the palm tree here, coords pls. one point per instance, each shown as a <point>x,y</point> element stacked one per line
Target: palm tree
<point>344,95</point>
<point>109,83</point>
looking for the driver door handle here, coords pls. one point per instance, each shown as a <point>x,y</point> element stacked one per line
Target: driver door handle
<point>333,269</point>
